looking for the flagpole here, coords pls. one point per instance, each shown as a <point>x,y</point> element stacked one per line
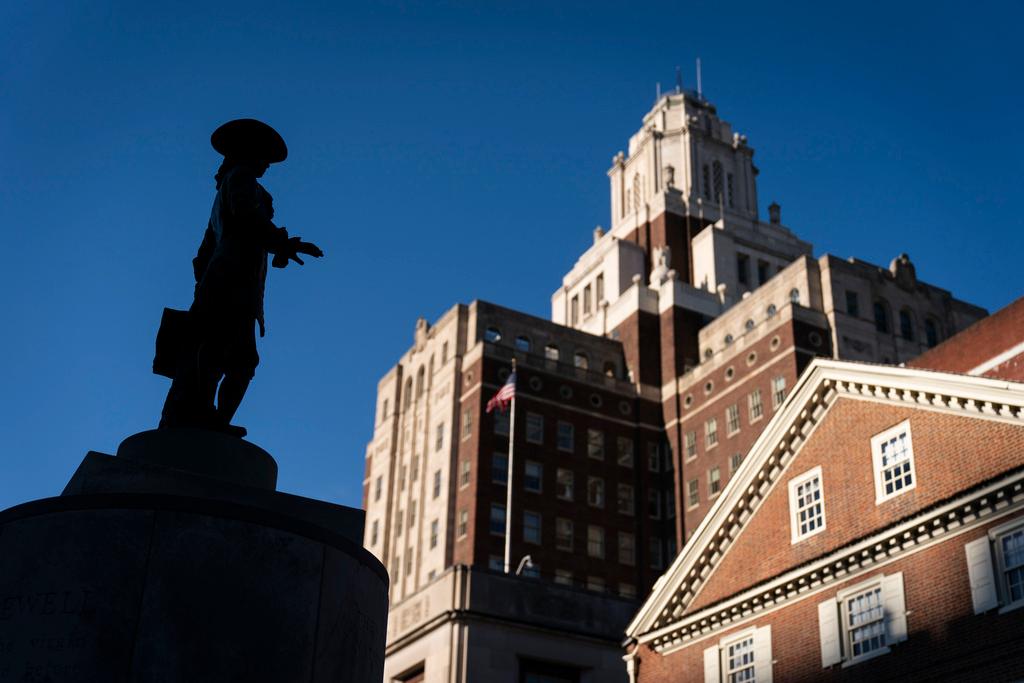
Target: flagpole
<point>508,479</point>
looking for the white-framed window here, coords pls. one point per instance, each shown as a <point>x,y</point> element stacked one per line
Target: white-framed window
<point>625,448</point>
<point>464,470</point>
<point>745,656</point>
<point>714,482</point>
<point>534,428</point>
<point>778,391</point>
<point>653,457</point>
<point>732,419</point>
<point>755,405</point>
<point>654,504</point>
<point>691,445</point>
<point>565,436</point>
<point>463,524</point>
<point>563,534</point>
<point>564,484</point>
<point>711,433</point>
<point>806,505</point>
<point>595,492</point>
<point>467,423</point>
<point>654,552</point>
<point>533,476</point>
<point>892,453</point>
<point>595,444</point>
<point>627,549</point>
<point>692,493</point>
<point>531,527</point>
<point>595,541</point>
<point>862,621</point>
<point>995,567</point>
<point>625,502</point>
<point>735,460</point>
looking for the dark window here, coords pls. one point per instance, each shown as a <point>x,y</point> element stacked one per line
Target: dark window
<point>852,305</point>
<point>762,272</point>
<point>881,316</point>
<point>743,268</point>
<point>906,325</point>
<point>492,334</point>
<point>545,672</point>
<point>707,182</point>
<point>716,173</point>
<point>931,332</point>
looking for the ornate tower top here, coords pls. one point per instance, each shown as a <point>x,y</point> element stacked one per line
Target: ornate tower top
<point>684,159</point>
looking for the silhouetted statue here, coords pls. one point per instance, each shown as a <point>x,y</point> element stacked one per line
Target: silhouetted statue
<point>214,343</point>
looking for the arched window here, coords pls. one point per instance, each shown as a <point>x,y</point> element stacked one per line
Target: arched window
<point>609,369</point>
<point>794,295</point>
<point>492,334</point>
<point>407,393</point>
<point>881,310</point>
<point>523,343</point>
<point>707,181</point>
<point>906,325</point>
<point>771,310</point>
<point>636,192</point>
<point>581,361</point>
<point>931,332</point>
<point>419,382</point>
<point>551,352</point>
<point>716,176</point>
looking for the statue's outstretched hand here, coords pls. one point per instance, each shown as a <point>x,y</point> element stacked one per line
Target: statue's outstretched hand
<point>291,253</point>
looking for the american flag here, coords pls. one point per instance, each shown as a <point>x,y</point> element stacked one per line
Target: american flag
<point>506,393</point>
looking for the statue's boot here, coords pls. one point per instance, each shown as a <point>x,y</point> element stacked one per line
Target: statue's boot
<point>229,397</point>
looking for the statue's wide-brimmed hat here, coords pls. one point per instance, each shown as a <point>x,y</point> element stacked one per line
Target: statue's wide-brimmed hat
<point>249,139</point>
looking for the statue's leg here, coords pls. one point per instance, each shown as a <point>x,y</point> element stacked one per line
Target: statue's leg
<point>232,390</point>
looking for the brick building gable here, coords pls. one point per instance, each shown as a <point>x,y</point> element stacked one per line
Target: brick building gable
<point>841,446</point>
<point>835,398</point>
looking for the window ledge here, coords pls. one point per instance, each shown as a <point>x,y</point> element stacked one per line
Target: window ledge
<point>1011,607</point>
<point>863,658</point>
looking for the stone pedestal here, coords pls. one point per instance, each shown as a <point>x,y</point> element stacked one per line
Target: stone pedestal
<point>177,561</point>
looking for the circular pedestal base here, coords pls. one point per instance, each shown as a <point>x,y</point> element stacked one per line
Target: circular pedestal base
<point>145,588</point>
<point>203,452</point>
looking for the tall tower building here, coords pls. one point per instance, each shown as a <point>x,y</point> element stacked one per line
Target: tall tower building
<point>672,339</point>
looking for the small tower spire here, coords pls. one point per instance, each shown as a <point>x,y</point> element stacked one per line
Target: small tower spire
<point>679,81</point>
<point>700,91</point>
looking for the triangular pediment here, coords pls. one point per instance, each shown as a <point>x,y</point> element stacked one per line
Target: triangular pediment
<point>829,418</point>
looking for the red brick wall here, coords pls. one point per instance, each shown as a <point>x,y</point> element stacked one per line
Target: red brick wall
<point>580,411</point>
<point>981,341</point>
<point>946,640</point>
<point>948,458</point>
<point>746,378</point>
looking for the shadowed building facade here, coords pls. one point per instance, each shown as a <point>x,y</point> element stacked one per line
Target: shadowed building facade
<point>673,340</point>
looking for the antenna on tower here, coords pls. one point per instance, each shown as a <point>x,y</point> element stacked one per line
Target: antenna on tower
<point>700,92</point>
<point>657,91</point>
<point>679,81</point>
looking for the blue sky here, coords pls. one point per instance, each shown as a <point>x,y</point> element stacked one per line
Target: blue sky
<point>441,152</point>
